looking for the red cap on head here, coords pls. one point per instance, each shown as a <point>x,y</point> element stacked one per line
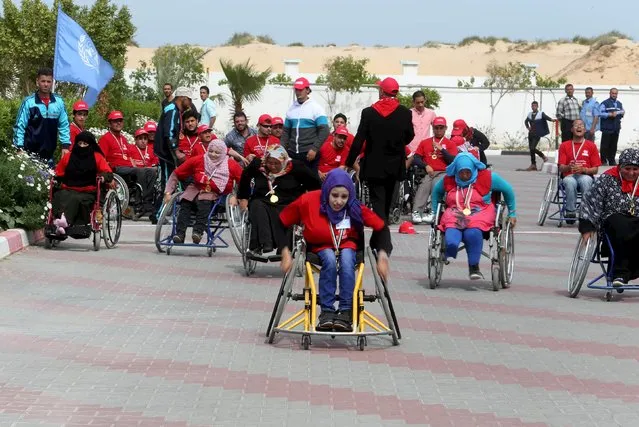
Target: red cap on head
<point>389,85</point>
<point>115,115</point>
<point>439,121</point>
<point>150,127</point>
<point>80,106</point>
<point>407,228</point>
<point>459,126</point>
<point>140,131</point>
<point>301,83</point>
<point>277,121</point>
<point>342,130</point>
<point>203,128</point>
<point>264,118</point>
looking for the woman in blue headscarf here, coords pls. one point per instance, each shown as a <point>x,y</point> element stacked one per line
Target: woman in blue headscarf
<point>334,223</point>
<point>467,188</point>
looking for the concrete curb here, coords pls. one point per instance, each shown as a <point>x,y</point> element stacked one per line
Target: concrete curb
<point>16,239</point>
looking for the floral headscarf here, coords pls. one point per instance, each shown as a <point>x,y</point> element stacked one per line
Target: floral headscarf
<point>278,152</point>
<point>629,156</point>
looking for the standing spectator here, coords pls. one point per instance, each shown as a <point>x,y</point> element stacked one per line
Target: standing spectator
<point>611,112</point>
<point>42,116</point>
<point>473,136</point>
<point>567,112</point>
<point>237,137</point>
<point>537,124</point>
<point>590,115</point>
<point>167,89</point>
<point>387,128</point>
<point>207,112</point>
<point>256,145</point>
<point>306,126</point>
<point>422,119</point>
<point>80,114</point>
<point>277,127</point>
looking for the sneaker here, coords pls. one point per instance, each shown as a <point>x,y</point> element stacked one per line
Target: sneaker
<point>197,238</point>
<point>178,238</point>
<point>619,282</point>
<point>544,158</point>
<point>531,168</point>
<point>153,219</point>
<point>325,321</point>
<point>428,218</point>
<point>417,217</point>
<point>474,273</point>
<point>342,321</point>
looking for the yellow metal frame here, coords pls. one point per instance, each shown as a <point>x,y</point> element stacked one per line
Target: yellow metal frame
<point>307,315</point>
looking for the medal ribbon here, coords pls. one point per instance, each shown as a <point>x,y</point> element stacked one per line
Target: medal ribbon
<point>119,141</point>
<point>467,198</point>
<point>631,197</point>
<point>574,156</point>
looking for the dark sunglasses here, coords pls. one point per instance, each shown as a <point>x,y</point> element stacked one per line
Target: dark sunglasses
<point>266,126</point>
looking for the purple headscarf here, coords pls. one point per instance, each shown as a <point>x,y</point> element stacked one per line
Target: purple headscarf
<point>353,208</point>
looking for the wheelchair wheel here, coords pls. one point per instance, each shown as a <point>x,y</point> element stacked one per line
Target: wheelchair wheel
<point>48,243</point>
<point>495,275</point>
<point>507,255</point>
<point>549,195</point>
<point>249,264</point>
<point>280,302</point>
<point>384,299</point>
<point>234,219</point>
<point>435,258</point>
<point>111,220</point>
<point>579,266</point>
<point>97,237</point>
<point>122,191</point>
<point>165,227</point>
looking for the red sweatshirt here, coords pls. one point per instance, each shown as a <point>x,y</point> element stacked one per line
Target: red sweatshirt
<point>116,150</point>
<point>194,167</point>
<point>100,163</point>
<point>257,145</point>
<point>144,158</point>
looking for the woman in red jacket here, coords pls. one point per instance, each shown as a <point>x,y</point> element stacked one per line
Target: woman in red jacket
<point>77,172</point>
<point>214,175</point>
<point>333,225</point>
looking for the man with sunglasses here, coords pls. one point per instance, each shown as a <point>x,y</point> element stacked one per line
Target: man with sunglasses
<point>433,154</point>
<point>255,145</point>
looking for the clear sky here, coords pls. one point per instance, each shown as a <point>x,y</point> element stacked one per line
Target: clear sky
<point>373,22</point>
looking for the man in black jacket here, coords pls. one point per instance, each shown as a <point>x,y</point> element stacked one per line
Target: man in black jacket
<point>473,136</point>
<point>387,128</point>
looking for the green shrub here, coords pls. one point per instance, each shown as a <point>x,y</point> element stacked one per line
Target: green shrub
<point>265,38</point>
<point>24,191</point>
<point>296,44</point>
<point>240,39</point>
<point>8,112</point>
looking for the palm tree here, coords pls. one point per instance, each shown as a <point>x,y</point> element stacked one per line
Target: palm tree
<point>245,82</point>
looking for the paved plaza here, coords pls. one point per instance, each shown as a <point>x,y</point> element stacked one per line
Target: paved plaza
<point>131,337</point>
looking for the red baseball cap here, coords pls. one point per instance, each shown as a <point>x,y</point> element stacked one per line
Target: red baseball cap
<point>389,85</point>
<point>150,127</point>
<point>203,128</point>
<point>439,121</point>
<point>458,140</point>
<point>140,131</point>
<point>342,130</point>
<point>301,83</point>
<point>277,121</point>
<point>264,118</point>
<point>459,126</point>
<point>115,115</point>
<point>407,228</point>
<point>80,106</point>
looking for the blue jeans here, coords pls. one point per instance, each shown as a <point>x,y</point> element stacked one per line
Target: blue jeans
<point>473,239</point>
<point>328,279</point>
<point>572,184</point>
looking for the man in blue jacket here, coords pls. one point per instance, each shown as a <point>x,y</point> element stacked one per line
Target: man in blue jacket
<point>611,112</point>
<point>590,114</point>
<point>41,117</point>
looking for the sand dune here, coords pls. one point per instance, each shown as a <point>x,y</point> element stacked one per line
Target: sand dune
<point>609,64</point>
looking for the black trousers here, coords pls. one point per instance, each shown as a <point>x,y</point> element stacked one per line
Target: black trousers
<point>623,232</point>
<point>146,177</point>
<point>381,195</point>
<point>200,208</point>
<point>533,140</point>
<point>266,228</point>
<point>75,205</point>
<point>166,169</point>
<point>302,157</point>
<point>609,148</point>
<point>566,129</point>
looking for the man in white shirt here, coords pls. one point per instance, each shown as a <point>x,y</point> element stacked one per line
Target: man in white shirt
<point>207,112</point>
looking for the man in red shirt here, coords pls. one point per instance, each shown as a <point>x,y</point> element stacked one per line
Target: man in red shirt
<point>147,172</point>
<point>188,136</point>
<point>255,146</point>
<point>277,127</point>
<point>80,114</point>
<point>578,162</point>
<point>435,154</point>
<point>205,135</point>
<point>143,155</point>
<point>334,151</point>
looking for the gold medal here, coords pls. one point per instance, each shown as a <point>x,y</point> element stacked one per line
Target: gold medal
<point>274,198</point>
<point>466,211</point>
<point>208,188</point>
<point>434,156</point>
<point>125,157</point>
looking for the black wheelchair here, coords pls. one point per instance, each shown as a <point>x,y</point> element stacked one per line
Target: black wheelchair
<point>129,191</point>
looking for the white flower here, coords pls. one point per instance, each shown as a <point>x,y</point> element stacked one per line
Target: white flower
<point>1,211</point>
<point>20,176</point>
<point>48,205</point>
<point>22,166</point>
<point>39,188</point>
<point>41,216</point>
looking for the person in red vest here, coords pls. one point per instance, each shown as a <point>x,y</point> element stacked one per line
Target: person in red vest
<point>80,114</point>
<point>256,145</point>
<point>334,151</point>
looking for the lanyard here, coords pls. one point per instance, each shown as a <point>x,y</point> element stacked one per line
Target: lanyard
<point>259,144</point>
<point>469,194</point>
<point>581,146</point>
<point>191,144</point>
<point>631,197</point>
<point>120,144</point>
<point>146,150</point>
<point>337,241</point>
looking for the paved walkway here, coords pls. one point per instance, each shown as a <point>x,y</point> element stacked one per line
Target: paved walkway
<point>130,337</point>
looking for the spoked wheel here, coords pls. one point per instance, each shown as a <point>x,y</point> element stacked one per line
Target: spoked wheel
<point>97,237</point>
<point>549,194</point>
<point>111,220</point>
<point>580,262</point>
<point>395,215</point>
<point>435,260</point>
<point>165,227</point>
<point>122,191</point>
<point>280,303</point>
<point>234,219</point>
<point>507,255</point>
<point>249,264</point>
<point>384,299</point>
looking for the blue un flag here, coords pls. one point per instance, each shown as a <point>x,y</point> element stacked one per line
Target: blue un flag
<point>76,59</point>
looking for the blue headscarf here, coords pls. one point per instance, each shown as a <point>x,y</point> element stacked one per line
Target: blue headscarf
<point>465,161</point>
<point>352,209</point>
